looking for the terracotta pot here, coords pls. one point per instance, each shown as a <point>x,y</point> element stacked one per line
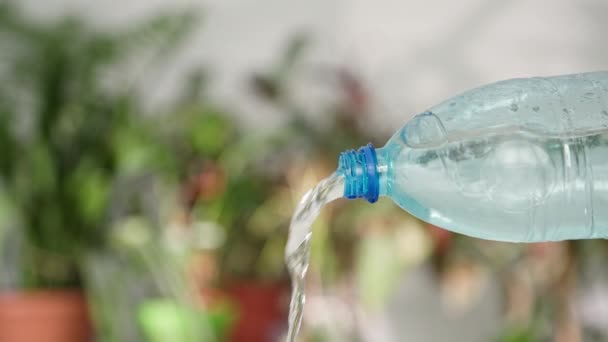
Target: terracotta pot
<point>262,311</point>
<point>44,316</point>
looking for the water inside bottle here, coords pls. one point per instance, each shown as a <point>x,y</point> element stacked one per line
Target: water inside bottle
<point>298,245</point>
<point>508,183</point>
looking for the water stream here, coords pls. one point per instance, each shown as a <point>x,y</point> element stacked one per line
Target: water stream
<point>297,251</point>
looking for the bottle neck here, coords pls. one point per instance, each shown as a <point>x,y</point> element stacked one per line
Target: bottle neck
<point>363,174</point>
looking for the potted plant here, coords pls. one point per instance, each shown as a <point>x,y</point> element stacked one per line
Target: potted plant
<point>59,129</point>
<point>223,185</point>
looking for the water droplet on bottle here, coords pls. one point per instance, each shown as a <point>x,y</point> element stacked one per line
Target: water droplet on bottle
<point>514,107</point>
<point>605,112</point>
<point>589,95</point>
<point>536,108</point>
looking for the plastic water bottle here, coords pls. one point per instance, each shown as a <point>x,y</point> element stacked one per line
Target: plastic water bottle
<point>521,160</point>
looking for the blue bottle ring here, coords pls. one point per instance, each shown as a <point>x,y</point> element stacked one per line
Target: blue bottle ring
<point>371,166</point>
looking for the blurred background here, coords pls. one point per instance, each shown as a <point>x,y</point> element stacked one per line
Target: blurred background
<point>153,153</point>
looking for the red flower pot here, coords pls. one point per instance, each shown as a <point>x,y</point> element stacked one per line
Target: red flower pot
<point>262,310</point>
<point>44,316</point>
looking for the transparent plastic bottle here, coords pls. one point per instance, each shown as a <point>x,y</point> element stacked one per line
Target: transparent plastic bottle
<point>521,160</point>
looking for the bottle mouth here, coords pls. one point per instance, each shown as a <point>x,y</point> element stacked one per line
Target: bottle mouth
<point>359,168</point>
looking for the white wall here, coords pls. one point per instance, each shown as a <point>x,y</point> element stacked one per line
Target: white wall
<point>412,54</point>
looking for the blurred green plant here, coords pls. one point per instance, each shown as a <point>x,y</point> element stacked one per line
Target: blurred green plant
<point>69,134</point>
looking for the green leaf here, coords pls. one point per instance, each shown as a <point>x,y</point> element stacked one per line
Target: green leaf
<point>133,152</point>
<point>41,168</point>
<point>90,187</point>
<point>378,269</point>
<point>518,335</point>
<point>210,134</point>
